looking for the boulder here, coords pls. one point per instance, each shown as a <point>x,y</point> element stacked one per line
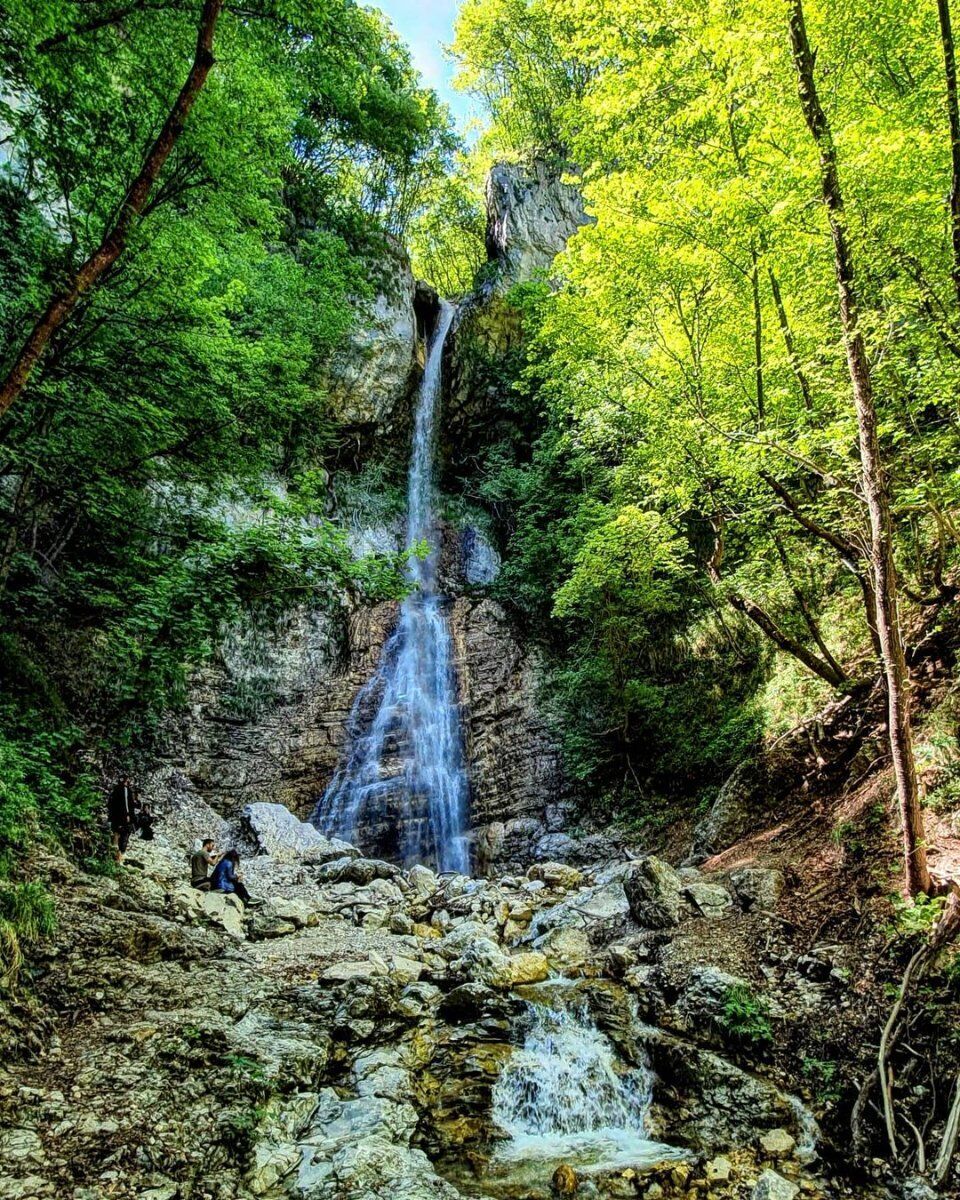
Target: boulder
<point>758,888</point>
<point>718,1170</point>
<point>362,968</point>
<point>556,875</point>
<point>528,967</point>
<point>771,1186</point>
<point>405,970</point>
<point>225,909</point>
<point>374,1168</point>
<point>483,962</point>
<point>777,1143</point>
<point>455,943</point>
<point>271,1164</point>
<point>565,949</point>
<point>423,880</point>
<point>296,912</point>
<point>285,838</point>
<point>652,888</point>
<point>708,899</point>
<point>356,870</point>
<point>602,911</point>
<point>263,926</point>
<point>705,995</point>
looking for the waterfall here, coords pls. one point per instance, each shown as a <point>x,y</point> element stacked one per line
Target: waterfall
<point>408,710</point>
<point>566,1095</point>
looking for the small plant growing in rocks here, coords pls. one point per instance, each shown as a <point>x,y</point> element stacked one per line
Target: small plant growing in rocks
<point>745,1017</point>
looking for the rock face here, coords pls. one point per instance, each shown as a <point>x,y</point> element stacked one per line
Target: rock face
<point>531,214</point>
<point>265,720</point>
<point>369,379</point>
<point>514,764</point>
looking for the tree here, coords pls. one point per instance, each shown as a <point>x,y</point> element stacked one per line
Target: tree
<point>875,476</point>
<point>63,302</point>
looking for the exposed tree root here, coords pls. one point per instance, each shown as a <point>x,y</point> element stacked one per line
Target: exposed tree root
<point>946,929</point>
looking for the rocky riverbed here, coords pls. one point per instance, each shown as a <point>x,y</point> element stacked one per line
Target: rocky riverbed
<point>345,1039</point>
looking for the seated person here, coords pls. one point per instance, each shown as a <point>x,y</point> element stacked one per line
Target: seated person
<point>200,863</point>
<point>226,877</point>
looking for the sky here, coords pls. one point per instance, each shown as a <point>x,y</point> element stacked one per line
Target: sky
<point>427,26</point>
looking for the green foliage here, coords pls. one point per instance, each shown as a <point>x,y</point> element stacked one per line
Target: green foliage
<point>164,476</point>
<point>520,57</point>
<point>916,916</point>
<point>693,482</point>
<point>26,916</point>
<point>248,1068</point>
<point>447,237</point>
<point>823,1077</point>
<point>746,1017</point>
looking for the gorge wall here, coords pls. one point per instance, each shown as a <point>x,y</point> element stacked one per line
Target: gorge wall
<point>266,718</point>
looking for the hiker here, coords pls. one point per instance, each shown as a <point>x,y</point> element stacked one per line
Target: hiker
<point>226,877</point>
<point>200,863</point>
<point>123,813</point>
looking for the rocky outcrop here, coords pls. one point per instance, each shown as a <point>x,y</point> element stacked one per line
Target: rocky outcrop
<point>531,215</point>
<point>344,1040</point>
<point>265,719</point>
<point>369,379</point>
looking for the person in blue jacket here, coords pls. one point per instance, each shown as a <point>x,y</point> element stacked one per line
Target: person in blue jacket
<point>226,877</point>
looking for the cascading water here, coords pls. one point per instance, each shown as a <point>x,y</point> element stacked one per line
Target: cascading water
<point>409,709</point>
<point>566,1096</point>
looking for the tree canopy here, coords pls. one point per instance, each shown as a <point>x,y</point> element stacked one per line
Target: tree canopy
<point>692,358</point>
<point>166,462</point>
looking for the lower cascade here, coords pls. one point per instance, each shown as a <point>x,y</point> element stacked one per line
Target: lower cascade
<point>408,710</point>
<point>567,1096</point>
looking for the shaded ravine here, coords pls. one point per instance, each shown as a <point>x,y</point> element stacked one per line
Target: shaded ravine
<point>408,710</point>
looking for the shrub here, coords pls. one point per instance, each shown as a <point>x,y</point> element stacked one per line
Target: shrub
<point>745,1016</point>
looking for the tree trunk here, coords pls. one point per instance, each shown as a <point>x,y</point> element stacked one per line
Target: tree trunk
<point>787,333</point>
<point>757,338</point>
<point>810,620</point>
<point>850,555</point>
<point>825,670</point>
<point>763,621</point>
<point>875,484</point>
<point>115,240</point>
<point>953,113</point>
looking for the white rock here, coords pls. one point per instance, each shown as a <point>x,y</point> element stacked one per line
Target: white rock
<point>288,839</point>
<point>718,1169</point>
<point>771,1186</point>
<point>225,909</point>
<point>271,1163</point>
<point>777,1143</point>
<point>424,881</point>
<point>708,899</point>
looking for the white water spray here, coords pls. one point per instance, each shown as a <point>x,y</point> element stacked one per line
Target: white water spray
<point>409,709</point>
<point>566,1095</point>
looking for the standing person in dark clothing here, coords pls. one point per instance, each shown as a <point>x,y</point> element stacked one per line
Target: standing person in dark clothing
<point>226,877</point>
<point>123,807</point>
